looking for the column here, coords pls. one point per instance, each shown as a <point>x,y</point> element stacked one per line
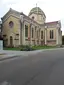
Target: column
<point>23,33</point>
<point>20,35</point>
<point>57,36</point>
<point>45,35</point>
<point>23,30</point>
<point>29,33</point>
<point>35,36</point>
<point>39,37</point>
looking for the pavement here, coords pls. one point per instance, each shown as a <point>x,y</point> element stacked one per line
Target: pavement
<point>7,54</point>
<point>41,68</point>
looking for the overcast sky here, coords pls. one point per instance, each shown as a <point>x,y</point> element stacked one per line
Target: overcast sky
<point>53,9</point>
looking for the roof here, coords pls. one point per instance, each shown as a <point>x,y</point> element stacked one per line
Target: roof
<point>51,24</point>
<point>54,22</point>
<point>28,17</point>
<point>11,11</point>
<point>33,10</point>
<point>16,13</point>
<point>36,10</point>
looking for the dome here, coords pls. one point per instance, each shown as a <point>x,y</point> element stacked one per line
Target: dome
<point>36,10</point>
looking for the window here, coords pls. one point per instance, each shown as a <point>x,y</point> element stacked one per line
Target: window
<point>17,36</point>
<point>11,24</point>
<point>35,28</point>
<point>32,17</point>
<point>41,34</point>
<point>26,31</point>
<point>32,33</point>
<point>5,42</point>
<point>4,35</point>
<point>51,34</point>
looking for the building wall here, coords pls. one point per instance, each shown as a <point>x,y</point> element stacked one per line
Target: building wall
<point>51,41</point>
<point>59,37</point>
<point>42,40</point>
<point>38,18</point>
<point>14,31</point>
<point>48,33</point>
<point>18,31</point>
<point>26,41</point>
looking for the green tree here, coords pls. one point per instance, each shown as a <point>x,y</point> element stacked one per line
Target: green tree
<point>63,40</point>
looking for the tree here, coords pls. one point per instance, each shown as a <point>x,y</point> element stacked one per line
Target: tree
<point>63,40</point>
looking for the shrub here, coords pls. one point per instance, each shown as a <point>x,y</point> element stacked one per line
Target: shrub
<point>26,48</point>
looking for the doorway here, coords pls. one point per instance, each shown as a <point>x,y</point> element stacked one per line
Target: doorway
<point>11,41</point>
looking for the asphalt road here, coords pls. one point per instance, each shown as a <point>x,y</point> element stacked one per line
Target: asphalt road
<point>45,68</point>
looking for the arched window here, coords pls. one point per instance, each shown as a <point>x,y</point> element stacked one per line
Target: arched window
<point>41,34</point>
<point>11,24</point>
<point>26,31</point>
<point>32,33</point>
<point>51,34</point>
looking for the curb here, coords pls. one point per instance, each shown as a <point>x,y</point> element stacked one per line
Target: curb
<point>8,58</point>
<point>23,55</point>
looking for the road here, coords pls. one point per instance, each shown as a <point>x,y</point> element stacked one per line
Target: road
<point>44,68</point>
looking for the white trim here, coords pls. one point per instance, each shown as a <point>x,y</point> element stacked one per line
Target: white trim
<point>19,35</point>
<point>23,34</point>
<point>45,37</point>
<point>57,36</point>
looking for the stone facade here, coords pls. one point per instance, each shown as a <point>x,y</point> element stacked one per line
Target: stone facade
<point>1,38</point>
<point>19,29</point>
<point>0,26</point>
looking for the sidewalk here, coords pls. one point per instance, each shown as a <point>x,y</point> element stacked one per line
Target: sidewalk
<point>7,54</point>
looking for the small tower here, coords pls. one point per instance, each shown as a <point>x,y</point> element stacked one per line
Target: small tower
<point>38,15</point>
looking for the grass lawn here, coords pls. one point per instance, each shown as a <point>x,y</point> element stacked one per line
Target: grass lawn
<point>43,47</point>
<point>34,47</point>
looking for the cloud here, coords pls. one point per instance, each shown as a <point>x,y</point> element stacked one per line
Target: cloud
<point>9,1</point>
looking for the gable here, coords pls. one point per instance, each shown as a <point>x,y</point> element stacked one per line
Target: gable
<point>8,16</point>
<point>16,25</point>
<point>10,12</point>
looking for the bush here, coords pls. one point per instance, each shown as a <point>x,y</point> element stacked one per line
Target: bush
<point>26,48</point>
<point>9,46</point>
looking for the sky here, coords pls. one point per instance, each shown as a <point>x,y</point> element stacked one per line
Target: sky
<point>53,9</point>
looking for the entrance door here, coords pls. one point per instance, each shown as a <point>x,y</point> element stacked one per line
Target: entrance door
<point>11,41</point>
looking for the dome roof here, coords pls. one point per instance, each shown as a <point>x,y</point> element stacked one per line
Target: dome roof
<point>36,10</point>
